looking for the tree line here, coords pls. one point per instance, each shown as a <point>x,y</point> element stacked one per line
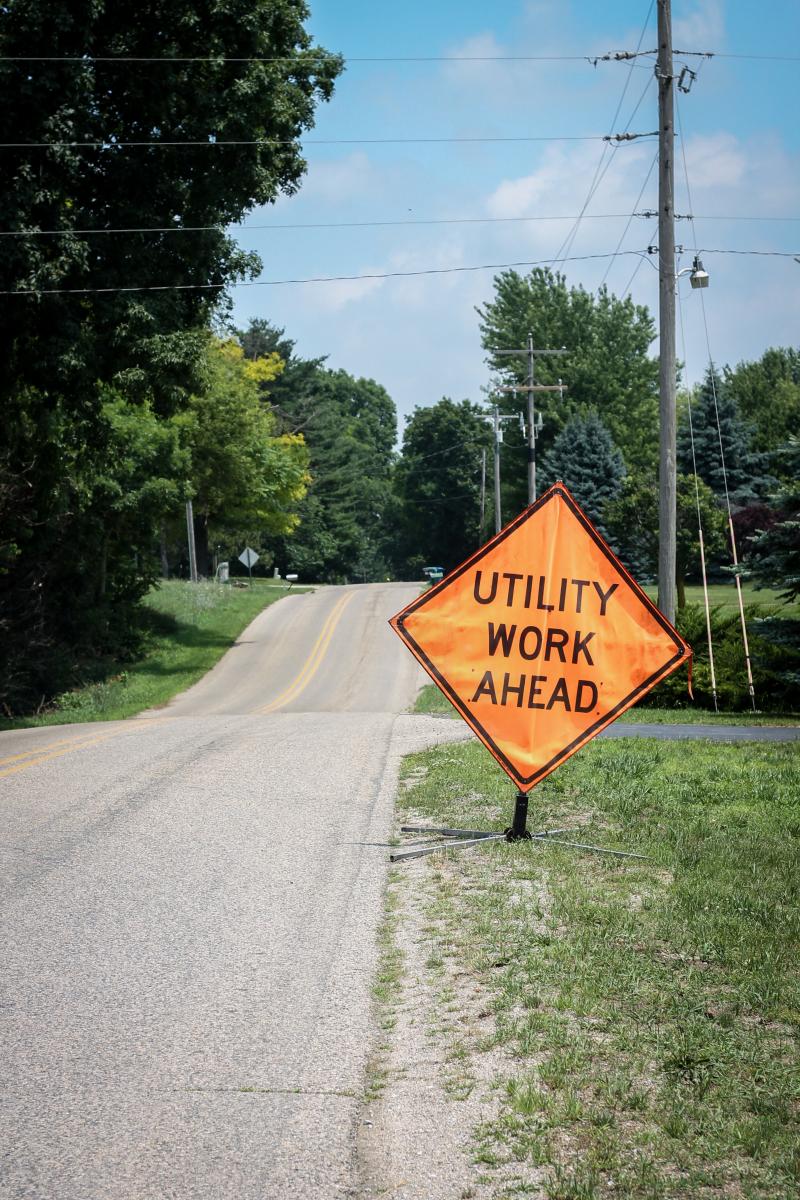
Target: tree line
<point>127,390</point>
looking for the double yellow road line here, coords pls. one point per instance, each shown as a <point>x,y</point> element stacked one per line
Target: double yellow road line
<point>40,754</point>
<point>311,665</point>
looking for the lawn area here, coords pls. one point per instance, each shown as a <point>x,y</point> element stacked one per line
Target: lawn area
<point>431,700</point>
<point>193,625</point>
<point>640,1019</point>
<point>723,596</point>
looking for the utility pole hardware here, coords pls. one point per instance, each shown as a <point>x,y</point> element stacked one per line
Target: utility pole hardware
<point>530,388</point>
<point>667,484</point>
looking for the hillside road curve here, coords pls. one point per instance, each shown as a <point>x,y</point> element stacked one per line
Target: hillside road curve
<point>188,909</point>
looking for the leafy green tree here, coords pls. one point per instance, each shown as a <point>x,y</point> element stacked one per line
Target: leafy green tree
<point>437,483</point>
<point>84,320</point>
<point>585,458</point>
<point>344,529</point>
<point>767,395</point>
<point>607,367</point>
<point>242,474</point>
<point>632,523</point>
<point>773,556</point>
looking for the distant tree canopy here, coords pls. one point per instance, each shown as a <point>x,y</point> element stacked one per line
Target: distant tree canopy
<point>106,342</point>
<point>767,396</point>
<point>438,487</point>
<point>345,523</point>
<point>607,367</point>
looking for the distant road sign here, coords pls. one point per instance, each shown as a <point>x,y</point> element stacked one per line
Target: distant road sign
<point>248,557</point>
<point>541,638</point>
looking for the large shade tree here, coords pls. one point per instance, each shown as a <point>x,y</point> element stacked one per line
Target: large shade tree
<point>95,309</point>
<point>607,366</point>
<point>438,486</point>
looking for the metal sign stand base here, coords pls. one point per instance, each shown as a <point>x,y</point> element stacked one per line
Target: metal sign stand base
<point>517,832</point>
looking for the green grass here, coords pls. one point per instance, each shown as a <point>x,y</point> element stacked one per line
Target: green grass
<point>648,1012</point>
<point>191,627</point>
<point>723,596</point>
<point>431,700</point>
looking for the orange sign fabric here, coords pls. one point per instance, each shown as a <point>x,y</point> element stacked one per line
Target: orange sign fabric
<point>541,638</point>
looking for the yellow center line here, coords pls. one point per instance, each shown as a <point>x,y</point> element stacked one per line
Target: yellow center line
<point>35,750</point>
<point>311,665</point>
<point>82,744</point>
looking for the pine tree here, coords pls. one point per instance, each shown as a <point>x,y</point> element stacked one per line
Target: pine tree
<point>715,419</point>
<point>586,459</point>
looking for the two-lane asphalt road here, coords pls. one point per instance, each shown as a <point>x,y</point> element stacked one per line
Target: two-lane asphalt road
<point>188,904</point>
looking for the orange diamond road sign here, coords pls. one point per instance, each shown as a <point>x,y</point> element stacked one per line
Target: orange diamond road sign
<point>541,638</point>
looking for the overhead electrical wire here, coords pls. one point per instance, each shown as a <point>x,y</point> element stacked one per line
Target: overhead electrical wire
<point>706,601</point>
<point>280,226</point>
<point>731,531</point>
<point>599,173</point>
<point>113,144</point>
<point>219,287</point>
<point>621,56</point>
<point>628,223</point>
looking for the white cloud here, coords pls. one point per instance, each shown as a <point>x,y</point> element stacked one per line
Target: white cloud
<point>701,28</point>
<point>339,180</point>
<point>716,161</point>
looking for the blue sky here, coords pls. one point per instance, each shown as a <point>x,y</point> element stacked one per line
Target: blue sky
<point>419,336</point>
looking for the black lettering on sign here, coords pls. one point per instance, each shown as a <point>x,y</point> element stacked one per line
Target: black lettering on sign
<point>579,647</point>
<point>556,640</point>
<point>504,635</point>
<point>485,688</point>
<point>560,696</point>
<point>477,589</point>
<point>588,705</point>
<point>512,583</point>
<point>604,596</point>
<point>536,633</point>
<point>580,584</point>
<point>533,690</point>
<point>517,689</point>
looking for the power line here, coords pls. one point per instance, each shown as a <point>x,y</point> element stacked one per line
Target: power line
<point>298,59</point>
<point>600,171</point>
<point>630,218</point>
<point>170,287</point>
<point>114,144</point>
<point>368,224</point>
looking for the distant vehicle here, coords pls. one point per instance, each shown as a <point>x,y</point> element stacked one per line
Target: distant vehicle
<point>433,573</point>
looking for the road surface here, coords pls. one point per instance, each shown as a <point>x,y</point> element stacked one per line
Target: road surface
<point>188,906</point>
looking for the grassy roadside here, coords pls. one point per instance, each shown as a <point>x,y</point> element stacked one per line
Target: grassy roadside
<point>647,1014</point>
<point>192,625</point>
<point>431,700</point>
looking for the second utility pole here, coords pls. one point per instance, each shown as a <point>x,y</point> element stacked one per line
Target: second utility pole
<point>667,483</point>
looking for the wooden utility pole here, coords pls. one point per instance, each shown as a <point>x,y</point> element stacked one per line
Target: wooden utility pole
<point>498,517</point>
<point>483,491</point>
<point>190,539</point>
<point>530,388</point>
<point>667,515</point>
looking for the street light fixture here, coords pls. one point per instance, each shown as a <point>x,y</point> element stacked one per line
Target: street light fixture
<point>698,276</point>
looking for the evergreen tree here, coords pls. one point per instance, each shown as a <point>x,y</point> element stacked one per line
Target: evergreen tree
<point>585,458</point>
<point>715,419</point>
